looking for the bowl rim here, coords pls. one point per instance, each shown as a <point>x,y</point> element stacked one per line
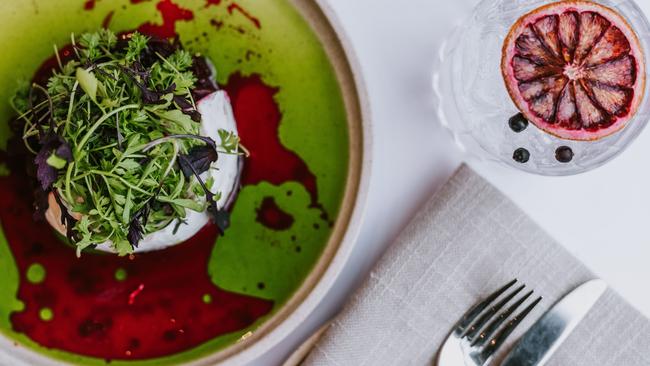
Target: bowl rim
<point>325,24</point>
<point>328,28</point>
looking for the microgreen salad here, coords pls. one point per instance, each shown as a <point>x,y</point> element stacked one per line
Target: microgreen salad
<point>116,139</point>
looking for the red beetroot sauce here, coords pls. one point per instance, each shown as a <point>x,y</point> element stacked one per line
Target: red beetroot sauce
<point>107,19</point>
<point>90,4</point>
<point>157,311</point>
<point>171,13</point>
<point>234,6</point>
<point>272,216</point>
<point>270,161</point>
<point>231,9</point>
<point>209,3</point>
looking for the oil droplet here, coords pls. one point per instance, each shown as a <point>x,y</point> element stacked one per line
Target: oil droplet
<point>207,299</point>
<point>36,273</point>
<point>120,274</point>
<point>46,314</point>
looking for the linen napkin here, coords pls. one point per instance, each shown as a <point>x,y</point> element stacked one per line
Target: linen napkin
<point>466,242</point>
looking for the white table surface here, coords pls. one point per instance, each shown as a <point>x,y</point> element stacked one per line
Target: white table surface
<point>602,217</point>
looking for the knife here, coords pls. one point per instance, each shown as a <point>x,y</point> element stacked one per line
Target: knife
<point>547,334</point>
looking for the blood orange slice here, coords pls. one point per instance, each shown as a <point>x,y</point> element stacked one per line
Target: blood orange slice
<point>575,69</point>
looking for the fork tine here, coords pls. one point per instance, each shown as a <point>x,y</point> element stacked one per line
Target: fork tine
<point>476,327</point>
<point>496,322</point>
<point>469,317</point>
<point>503,334</point>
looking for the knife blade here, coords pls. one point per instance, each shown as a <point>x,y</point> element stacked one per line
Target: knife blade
<point>547,334</point>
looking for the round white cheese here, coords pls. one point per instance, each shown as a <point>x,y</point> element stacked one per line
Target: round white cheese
<point>216,114</point>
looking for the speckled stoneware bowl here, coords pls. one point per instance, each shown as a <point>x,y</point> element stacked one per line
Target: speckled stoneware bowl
<point>300,110</point>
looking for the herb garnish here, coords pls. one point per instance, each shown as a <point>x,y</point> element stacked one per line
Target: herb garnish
<point>115,134</point>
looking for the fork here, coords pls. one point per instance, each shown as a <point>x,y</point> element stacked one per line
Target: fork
<point>471,342</point>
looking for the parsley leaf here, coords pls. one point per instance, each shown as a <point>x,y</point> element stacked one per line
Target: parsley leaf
<point>229,141</point>
<point>137,44</point>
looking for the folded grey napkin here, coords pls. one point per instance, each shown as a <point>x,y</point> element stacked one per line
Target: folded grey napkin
<point>466,242</point>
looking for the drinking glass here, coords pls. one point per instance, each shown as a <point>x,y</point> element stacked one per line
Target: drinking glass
<point>474,105</point>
